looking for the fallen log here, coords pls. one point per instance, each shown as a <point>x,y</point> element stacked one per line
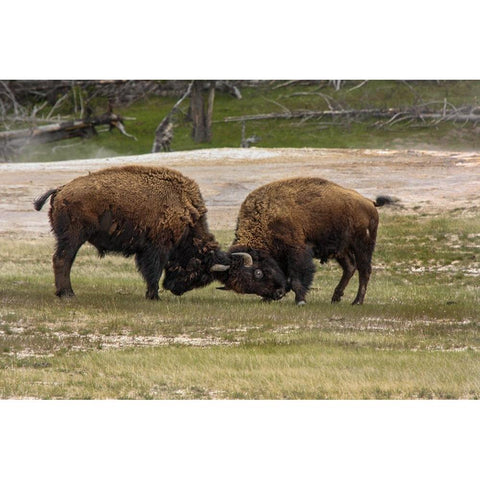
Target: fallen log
<point>298,114</point>
<point>367,112</point>
<point>12,140</point>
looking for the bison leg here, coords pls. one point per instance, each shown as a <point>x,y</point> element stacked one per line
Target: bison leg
<point>150,263</point>
<point>63,259</point>
<point>364,264</point>
<point>300,272</point>
<point>348,265</point>
<point>363,256</point>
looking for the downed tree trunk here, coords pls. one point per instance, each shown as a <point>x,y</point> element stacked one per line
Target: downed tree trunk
<point>10,141</point>
<point>388,113</point>
<point>303,114</point>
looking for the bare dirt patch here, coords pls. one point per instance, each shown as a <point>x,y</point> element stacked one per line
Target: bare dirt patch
<point>424,181</point>
<point>77,342</point>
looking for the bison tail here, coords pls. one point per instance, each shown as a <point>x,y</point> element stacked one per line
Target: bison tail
<point>40,201</point>
<point>385,200</point>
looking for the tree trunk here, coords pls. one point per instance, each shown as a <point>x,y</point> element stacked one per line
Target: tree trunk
<point>164,131</point>
<point>211,98</point>
<point>202,111</point>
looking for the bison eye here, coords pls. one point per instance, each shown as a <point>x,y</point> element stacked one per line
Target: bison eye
<point>258,274</point>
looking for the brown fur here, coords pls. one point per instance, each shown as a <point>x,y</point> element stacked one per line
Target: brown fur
<point>160,202</point>
<point>300,218</point>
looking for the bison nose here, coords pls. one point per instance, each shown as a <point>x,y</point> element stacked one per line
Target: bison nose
<point>176,290</point>
<point>170,285</point>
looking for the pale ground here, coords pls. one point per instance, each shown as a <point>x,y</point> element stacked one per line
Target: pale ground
<point>424,181</point>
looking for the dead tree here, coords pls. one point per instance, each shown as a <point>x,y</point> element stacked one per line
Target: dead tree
<point>201,110</point>
<point>163,135</point>
<point>164,131</point>
<point>337,84</point>
<point>225,86</point>
<point>248,142</point>
<point>12,140</point>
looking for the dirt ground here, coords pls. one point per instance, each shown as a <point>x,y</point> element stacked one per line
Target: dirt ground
<point>423,181</point>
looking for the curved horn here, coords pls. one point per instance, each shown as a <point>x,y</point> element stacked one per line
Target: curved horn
<point>218,267</point>
<point>247,258</point>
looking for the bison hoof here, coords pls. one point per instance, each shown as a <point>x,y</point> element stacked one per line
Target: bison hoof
<point>152,296</point>
<point>301,302</point>
<point>65,294</point>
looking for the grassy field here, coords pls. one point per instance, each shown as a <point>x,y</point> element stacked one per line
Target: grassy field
<point>143,117</point>
<point>417,336</point>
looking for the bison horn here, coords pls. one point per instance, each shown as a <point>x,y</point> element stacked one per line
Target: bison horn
<point>218,267</point>
<point>247,258</point>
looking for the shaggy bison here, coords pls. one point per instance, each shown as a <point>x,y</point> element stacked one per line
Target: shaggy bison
<point>158,215</point>
<point>299,219</point>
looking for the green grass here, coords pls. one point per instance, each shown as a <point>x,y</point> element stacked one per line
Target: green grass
<point>415,337</point>
<point>320,133</point>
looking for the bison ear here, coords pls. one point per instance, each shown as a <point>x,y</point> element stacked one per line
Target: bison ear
<point>218,267</point>
<point>247,258</point>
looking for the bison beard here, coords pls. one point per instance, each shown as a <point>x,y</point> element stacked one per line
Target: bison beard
<point>189,265</point>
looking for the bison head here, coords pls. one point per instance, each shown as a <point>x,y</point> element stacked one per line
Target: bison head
<point>242,272</point>
<point>185,272</point>
<point>253,271</point>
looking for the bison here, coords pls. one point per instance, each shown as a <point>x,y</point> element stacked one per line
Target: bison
<point>298,219</point>
<point>158,215</point>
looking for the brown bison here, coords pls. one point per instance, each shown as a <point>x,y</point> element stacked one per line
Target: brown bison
<point>299,219</point>
<point>158,215</point>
